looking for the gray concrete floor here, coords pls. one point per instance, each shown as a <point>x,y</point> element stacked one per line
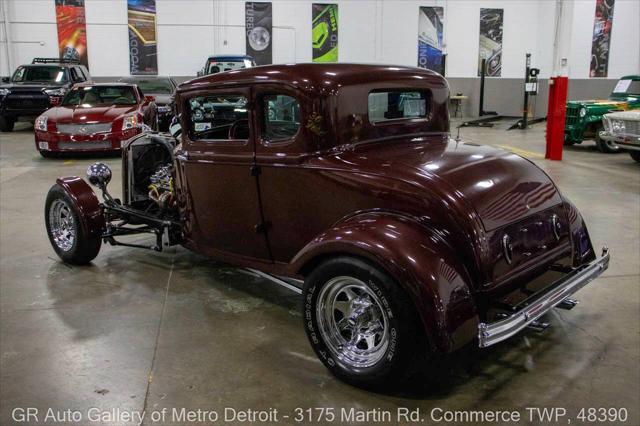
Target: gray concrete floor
<point>145,331</point>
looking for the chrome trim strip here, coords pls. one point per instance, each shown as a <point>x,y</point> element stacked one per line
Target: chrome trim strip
<point>492,333</point>
<point>277,280</point>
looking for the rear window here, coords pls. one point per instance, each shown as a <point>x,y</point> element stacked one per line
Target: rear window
<point>386,105</point>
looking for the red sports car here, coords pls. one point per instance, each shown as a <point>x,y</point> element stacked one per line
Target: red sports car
<point>95,118</point>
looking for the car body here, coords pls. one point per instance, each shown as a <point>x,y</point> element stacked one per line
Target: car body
<point>94,118</point>
<point>220,63</point>
<point>584,118</point>
<point>34,88</point>
<point>623,129</point>
<point>162,89</point>
<point>344,177</point>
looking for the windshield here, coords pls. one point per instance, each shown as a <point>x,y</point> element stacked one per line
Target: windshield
<point>40,73</point>
<point>153,85</point>
<point>215,66</point>
<point>627,87</point>
<point>89,96</point>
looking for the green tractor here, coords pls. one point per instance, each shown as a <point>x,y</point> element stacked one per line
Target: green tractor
<point>584,118</point>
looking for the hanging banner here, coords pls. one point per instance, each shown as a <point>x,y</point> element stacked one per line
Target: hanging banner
<point>601,39</point>
<point>143,45</point>
<point>491,41</point>
<point>72,30</point>
<point>324,32</point>
<point>430,29</point>
<point>258,27</point>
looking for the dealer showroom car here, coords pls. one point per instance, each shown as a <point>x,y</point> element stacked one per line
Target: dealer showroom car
<point>302,231</point>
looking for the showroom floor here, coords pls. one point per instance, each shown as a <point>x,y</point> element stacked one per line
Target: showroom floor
<point>142,330</point>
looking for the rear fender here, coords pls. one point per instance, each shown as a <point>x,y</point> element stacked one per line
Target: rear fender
<point>421,262</point>
<point>86,201</point>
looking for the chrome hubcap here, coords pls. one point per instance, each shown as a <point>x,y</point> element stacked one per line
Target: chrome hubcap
<point>62,225</point>
<point>352,322</point>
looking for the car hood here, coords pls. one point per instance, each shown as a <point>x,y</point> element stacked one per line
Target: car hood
<point>501,186</point>
<point>599,103</point>
<point>79,114</point>
<point>633,115</point>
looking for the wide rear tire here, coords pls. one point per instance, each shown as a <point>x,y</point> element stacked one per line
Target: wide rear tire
<point>64,228</point>
<point>361,323</point>
<point>635,155</point>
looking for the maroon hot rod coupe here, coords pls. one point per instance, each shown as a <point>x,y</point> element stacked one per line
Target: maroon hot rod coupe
<point>345,177</point>
<point>94,118</point>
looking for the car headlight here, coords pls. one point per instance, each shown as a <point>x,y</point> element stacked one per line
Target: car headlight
<point>617,126</point>
<point>41,123</point>
<point>583,112</point>
<point>4,92</point>
<point>129,122</point>
<point>56,92</point>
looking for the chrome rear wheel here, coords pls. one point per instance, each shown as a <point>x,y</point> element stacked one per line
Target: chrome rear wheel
<point>352,322</point>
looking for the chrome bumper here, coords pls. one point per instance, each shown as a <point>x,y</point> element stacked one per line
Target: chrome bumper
<point>490,334</point>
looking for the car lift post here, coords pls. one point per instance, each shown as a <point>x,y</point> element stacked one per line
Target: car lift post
<point>525,109</point>
<point>556,114</point>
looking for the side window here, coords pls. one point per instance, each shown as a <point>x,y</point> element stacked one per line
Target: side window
<point>74,75</point>
<point>80,74</point>
<point>387,105</point>
<point>281,117</point>
<point>19,74</point>
<point>218,118</point>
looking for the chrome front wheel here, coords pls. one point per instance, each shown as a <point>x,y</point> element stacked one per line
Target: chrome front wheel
<point>352,322</point>
<point>62,225</point>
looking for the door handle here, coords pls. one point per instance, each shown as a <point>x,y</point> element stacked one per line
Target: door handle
<point>182,156</point>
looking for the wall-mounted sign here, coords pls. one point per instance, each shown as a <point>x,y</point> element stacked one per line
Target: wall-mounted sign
<point>143,45</point>
<point>324,32</point>
<point>72,30</point>
<point>491,41</point>
<point>601,39</point>
<point>259,30</point>
<point>430,30</point>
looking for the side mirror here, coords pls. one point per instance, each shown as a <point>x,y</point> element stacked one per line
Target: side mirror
<point>148,99</point>
<point>6,79</point>
<point>200,73</point>
<point>99,175</point>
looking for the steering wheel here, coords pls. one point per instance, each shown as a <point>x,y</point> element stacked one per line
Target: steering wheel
<point>236,124</point>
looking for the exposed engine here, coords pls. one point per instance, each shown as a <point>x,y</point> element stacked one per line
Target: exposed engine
<point>161,187</point>
<point>148,184</point>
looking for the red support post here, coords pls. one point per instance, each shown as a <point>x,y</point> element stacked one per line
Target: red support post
<point>556,114</point>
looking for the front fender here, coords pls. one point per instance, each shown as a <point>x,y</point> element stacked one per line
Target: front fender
<point>86,201</point>
<point>418,258</point>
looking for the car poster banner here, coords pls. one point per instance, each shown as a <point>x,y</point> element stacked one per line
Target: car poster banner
<point>143,45</point>
<point>491,41</point>
<point>259,27</point>
<point>324,32</point>
<point>72,30</point>
<point>601,38</point>
<point>430,29</point>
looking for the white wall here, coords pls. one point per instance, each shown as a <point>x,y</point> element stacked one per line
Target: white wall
<point>370,31</point>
